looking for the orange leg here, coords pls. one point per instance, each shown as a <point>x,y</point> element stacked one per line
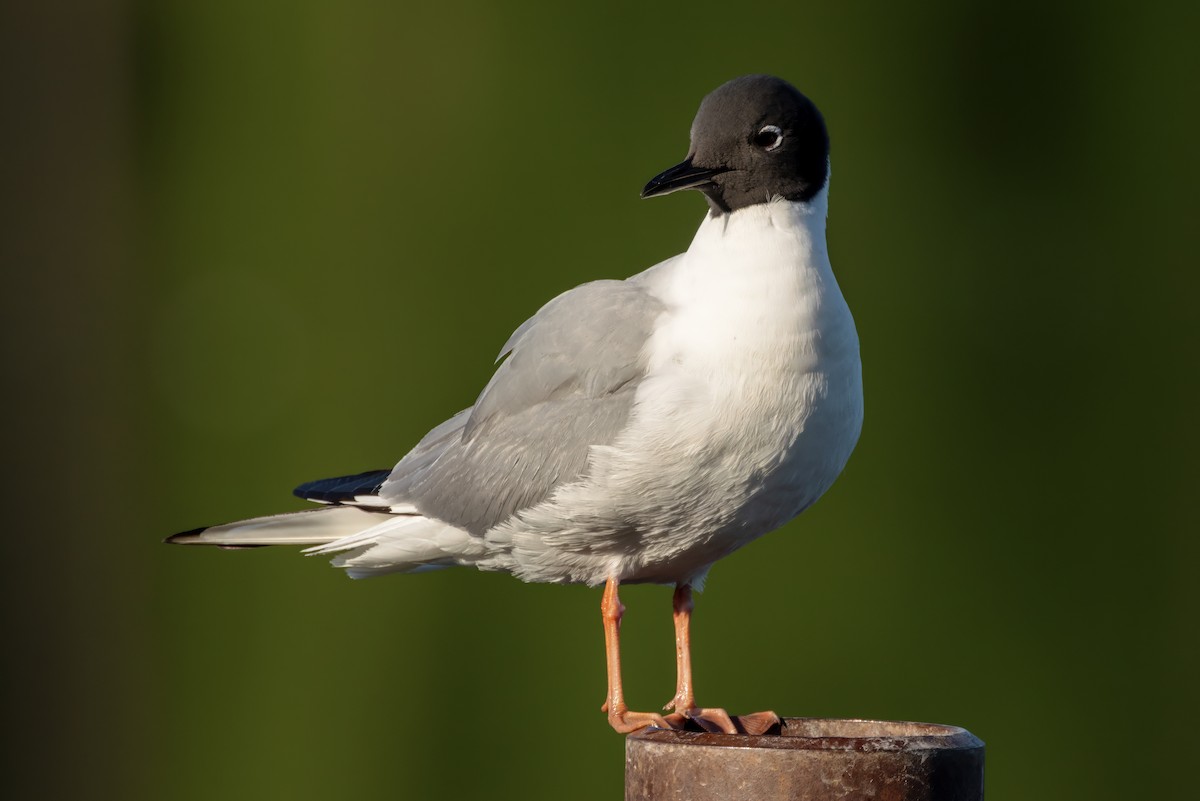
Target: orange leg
<point>684,702</point>
<point>682,605</point>
<point>619,715</point>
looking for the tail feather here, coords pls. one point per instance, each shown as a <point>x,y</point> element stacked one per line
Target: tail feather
<point>362,541</point>
<point>312,527</point>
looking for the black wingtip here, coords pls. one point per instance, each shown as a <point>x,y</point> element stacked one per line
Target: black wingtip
<point>342,488</point>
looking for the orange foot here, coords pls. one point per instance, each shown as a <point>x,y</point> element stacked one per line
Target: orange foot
<point>625,720</point>
<point>758,722</point>
<point>718,721</point>
<point>714,720</point>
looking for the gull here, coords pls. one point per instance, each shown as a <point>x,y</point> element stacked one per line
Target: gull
<point>638,431</point>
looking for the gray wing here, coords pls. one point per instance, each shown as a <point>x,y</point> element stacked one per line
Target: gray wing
<point>568,384</point>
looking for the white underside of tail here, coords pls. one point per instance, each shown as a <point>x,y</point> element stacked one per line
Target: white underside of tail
<point>401,544</point>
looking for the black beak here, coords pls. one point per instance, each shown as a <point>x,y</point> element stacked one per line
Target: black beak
<point>682,176</point>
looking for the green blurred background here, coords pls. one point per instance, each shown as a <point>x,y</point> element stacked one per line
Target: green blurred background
<point>251,244</point>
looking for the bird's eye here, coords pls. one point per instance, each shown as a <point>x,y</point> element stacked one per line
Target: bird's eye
<point>769,138</point>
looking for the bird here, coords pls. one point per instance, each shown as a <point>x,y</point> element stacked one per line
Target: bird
<point>637,430</point>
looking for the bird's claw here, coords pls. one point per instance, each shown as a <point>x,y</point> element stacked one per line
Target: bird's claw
<point>626,721</point>
<point>718,721</point>
<point>712,720</point>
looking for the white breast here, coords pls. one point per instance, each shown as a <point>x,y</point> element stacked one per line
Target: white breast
<point>750,409</point>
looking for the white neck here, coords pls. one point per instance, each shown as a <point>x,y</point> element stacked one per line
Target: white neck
<point>781,237</point>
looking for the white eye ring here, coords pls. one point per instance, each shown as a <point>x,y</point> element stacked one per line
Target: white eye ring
<point>769,137</point>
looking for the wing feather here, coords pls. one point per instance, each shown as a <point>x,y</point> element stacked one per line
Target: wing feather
<point>568,384</point>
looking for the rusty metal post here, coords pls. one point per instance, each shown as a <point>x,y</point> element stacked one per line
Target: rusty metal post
<point>811,759</point>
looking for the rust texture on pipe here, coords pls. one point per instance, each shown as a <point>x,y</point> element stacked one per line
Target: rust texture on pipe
<point>817,759</point>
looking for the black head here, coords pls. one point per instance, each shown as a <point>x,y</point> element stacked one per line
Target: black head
<point>753,139</point>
